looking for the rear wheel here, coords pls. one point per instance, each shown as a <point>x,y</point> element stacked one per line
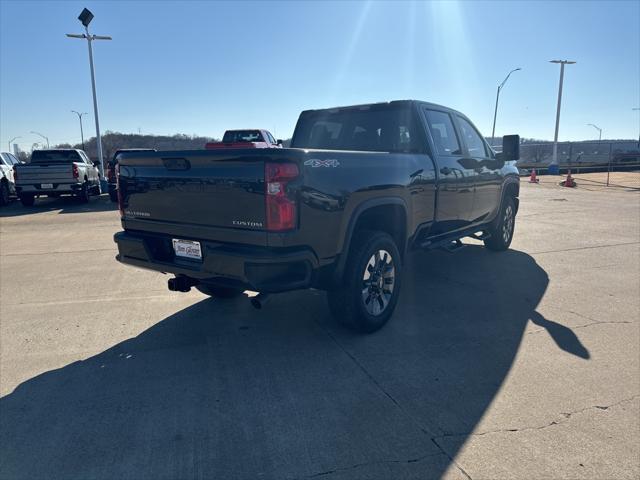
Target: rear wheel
<point>4,193</point>
<point>85,194</point>
<point>27,200</point>
<point>368,294</point>
<point>219,292</point>
<point>502,228</point>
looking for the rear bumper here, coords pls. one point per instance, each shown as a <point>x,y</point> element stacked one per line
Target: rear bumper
<point>58,189</point>
<point>255,268</point>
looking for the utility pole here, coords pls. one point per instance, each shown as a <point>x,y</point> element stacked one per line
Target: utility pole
<point>562,63</point>
<point>495,112</point>
<point>85,18</point>
<point>81,132</point>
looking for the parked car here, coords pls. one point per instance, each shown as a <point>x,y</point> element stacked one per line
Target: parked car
<point>338,211</point>
<point>56,172</point>
<point>245,139</point>
<point>111,170</point>
<point>7,182</point>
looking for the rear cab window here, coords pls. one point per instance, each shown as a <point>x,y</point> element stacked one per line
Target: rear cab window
<point>236,136</point>
<point>374,128</point>
<point>55,156</point>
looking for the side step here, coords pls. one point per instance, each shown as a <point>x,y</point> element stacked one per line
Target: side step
<point>453,244</point>
<point>482,236</point>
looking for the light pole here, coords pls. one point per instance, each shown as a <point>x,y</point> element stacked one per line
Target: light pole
<point>562,63</point>
<point>41,135</point>
<point>11,141</point>
<point>597,128</point>
<point>638,110</point>
<point>495,112</point>
<point>85,18</point>
<point>81,132</point>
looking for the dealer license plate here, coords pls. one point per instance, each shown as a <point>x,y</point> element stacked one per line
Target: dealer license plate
<point>46,185</point>
<point>187,249</point>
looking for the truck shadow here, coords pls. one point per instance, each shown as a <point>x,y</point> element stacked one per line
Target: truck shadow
<point>218,390</point>
<point>66,204</point>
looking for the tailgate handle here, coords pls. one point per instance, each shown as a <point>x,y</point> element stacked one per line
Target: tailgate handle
<point>176,163</point>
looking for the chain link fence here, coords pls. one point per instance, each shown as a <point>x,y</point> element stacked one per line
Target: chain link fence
<point>595,163</point>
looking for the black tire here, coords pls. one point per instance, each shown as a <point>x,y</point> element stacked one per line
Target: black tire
<point>27,200</point>
<point>502,228</point>
<point>369,291</point>
<point>219,292</point>
<point>85,194</point>
<point>5,194</point>
<point>113,196</point>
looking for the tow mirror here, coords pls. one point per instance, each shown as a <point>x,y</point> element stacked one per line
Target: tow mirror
<point>510,148</point>
<point>279,142</point>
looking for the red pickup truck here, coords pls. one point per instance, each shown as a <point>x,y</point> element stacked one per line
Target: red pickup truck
<point>245,139</point>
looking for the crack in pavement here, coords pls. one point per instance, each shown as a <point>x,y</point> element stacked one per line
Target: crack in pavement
<point>366,464</point>
<point>377,384</point>
<point>560,420</point>
<point>585,248</point>
<point>582,326</point>
<point>114,249</point>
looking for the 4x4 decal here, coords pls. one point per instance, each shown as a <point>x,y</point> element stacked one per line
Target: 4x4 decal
<point>315,162</point>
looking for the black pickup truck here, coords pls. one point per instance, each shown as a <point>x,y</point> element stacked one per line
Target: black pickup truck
<point>338,211</point>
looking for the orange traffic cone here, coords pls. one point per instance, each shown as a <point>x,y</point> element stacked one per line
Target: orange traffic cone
<point>534,177</point>
<point>569,181</point>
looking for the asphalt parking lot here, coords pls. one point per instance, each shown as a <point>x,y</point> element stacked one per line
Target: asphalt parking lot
<point>523,364</point>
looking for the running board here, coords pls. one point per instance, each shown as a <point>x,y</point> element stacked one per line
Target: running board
<point>453,244</point>
<point>481,236</point>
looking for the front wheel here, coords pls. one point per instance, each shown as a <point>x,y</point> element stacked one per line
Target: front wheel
<point>219,292</point>
<point>367,296</point>
<point>502,228</point>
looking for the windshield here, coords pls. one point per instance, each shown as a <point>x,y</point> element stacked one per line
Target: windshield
<point>377,128</point>
<point>234,136</point>
<point>55,156</point>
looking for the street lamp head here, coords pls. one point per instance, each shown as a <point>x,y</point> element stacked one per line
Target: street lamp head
<point>85,17</point>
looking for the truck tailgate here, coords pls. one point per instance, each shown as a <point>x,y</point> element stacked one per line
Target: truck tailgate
<point>199,191</point>
<point>36,174</point>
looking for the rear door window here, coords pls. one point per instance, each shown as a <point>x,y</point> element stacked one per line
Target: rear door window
<point>443,133</point>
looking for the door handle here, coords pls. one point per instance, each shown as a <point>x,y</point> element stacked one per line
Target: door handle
<point>445,171</point>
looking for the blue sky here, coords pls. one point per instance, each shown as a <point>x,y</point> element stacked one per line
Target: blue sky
<point>202,67</point>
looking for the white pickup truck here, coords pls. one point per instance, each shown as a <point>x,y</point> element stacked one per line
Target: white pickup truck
<point>52,173</point>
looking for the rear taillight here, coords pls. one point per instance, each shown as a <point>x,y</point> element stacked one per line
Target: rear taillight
<point>280,209</point>
<point>119,190</point>
<point>15,174</point>
<point>111,176</point>
<point>75,171</point>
